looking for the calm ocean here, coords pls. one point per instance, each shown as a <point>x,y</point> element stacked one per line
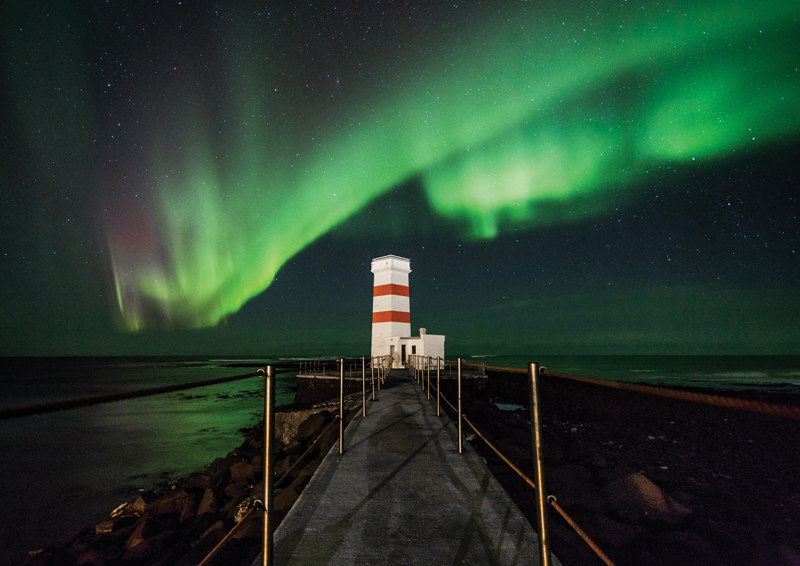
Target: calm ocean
<point>775,374</point>
<point>64,471</point>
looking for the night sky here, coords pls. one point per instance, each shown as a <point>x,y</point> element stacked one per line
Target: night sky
<point>567,177</point>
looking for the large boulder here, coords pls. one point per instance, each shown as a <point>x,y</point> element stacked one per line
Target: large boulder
<point>243,471</point>
<point>173,502</point>
<point>310,428</point>
<point>635,499</point>
<point>210,503</point>
<point>148,526</point>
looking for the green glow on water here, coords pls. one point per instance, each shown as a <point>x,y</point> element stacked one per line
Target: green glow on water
<point>535,116</point>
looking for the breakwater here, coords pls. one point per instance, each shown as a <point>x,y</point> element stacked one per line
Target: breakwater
<point>596,450</point>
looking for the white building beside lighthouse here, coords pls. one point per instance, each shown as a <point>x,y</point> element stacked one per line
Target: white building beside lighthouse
<point>391,314</point>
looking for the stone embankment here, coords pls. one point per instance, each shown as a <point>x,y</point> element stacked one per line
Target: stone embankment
<point>182,524</point>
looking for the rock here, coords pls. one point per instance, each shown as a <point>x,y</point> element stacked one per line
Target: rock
<point>242,492</point>
<point>189,509</point>
<point>312,426</point>
<point>610,474</point>
<point>246,506</point>
<point>286,498</point>
<point>242,472</point>
<point>115,524</point>
<point>133,507</point>
<point>569,547</point>
<point>255,441</point>
<point>210,503</point>
<point>781,555</point>
<point>204,545</point>
<point>104,527</point>
<point>148,526</point>
<point>236,491</point>
<point>615,534</point>
<point>150,547</point>
<point>552,453</point>
<point>201,481</point>
<point>50,557</point>
<point>93,556</point>
<point>687,548</point>
<point>172,503</point>
<point>634,498</point>
<point>218,469</point>
<point>282,466</point>
<point>571,484</point>
<point>518,455</point>
<point>596,462</point>
<point>252,529</point>
<point>294,447</point>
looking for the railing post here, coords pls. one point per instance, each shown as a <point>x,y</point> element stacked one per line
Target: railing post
<point>438,384</point>
<point>428,364</point>
<point>341,406</point>
<point>363,388</point>
<point>459,407</point>
<point>538,465</point>
<point>372,375</point>
<point>269,463</point>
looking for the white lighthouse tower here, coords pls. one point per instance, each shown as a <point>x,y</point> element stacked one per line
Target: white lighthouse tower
<point>391,314</point>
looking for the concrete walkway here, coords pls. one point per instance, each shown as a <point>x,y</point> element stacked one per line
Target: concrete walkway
<point>402,494</point>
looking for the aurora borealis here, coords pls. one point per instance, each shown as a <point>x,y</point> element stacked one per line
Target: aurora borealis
<point>623,170</point>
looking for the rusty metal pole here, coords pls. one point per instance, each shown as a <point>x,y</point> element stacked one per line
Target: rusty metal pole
<point>269,463</point>
<point>459,407</point>
<point>538,465</point>
<point>341,406</point>
<point>438,384</point>
<point>372,375</point>
<point>363,388</point>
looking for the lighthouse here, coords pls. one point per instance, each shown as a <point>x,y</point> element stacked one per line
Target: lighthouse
<point>391,314</point>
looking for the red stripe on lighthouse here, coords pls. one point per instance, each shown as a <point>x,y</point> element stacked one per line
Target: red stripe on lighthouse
<point>391,316</point>
<point>390,289</point>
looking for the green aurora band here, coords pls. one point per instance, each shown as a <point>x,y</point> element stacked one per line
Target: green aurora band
<point>533,107</point>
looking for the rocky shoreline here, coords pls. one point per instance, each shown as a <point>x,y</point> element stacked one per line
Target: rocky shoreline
<point>183,523</point>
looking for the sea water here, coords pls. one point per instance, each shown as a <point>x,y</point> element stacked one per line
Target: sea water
<point>63,471</point>
<point>773,374</point>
